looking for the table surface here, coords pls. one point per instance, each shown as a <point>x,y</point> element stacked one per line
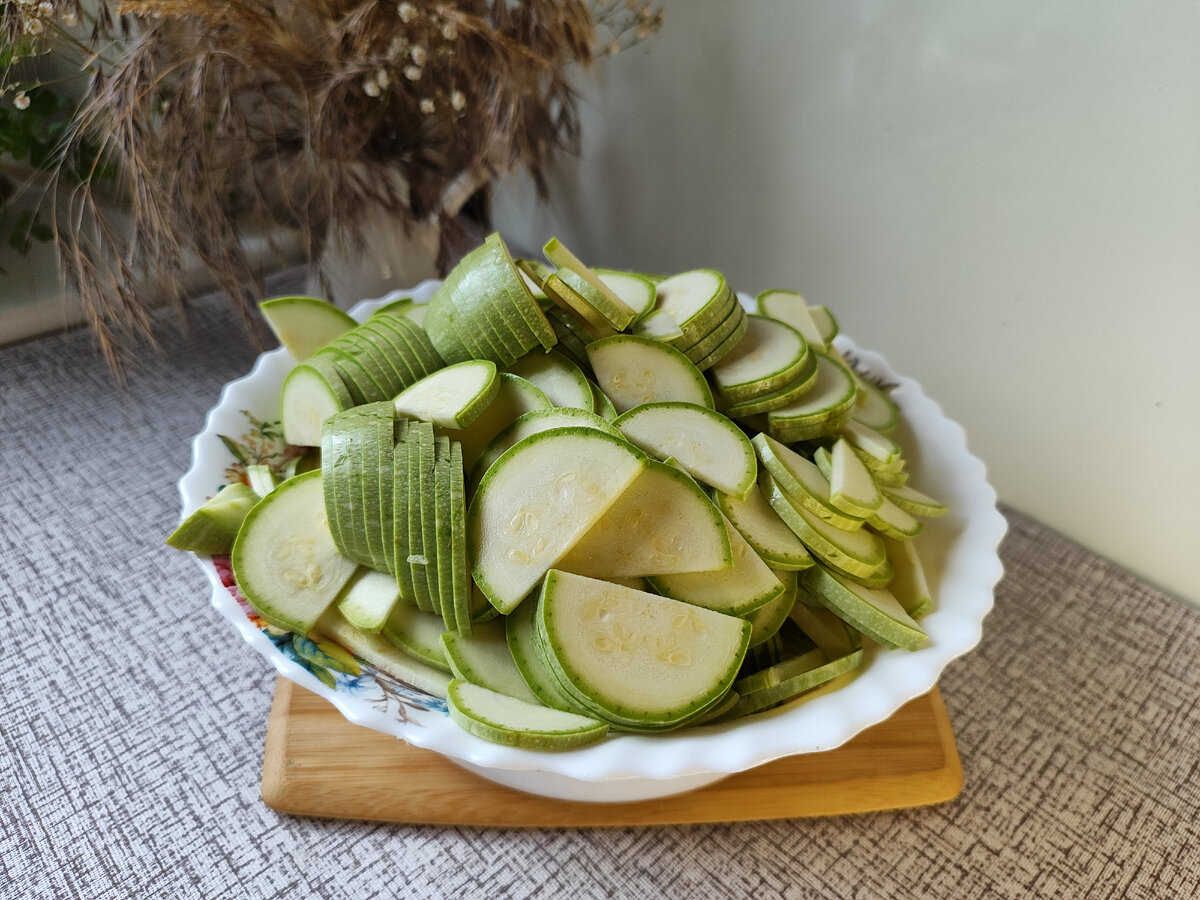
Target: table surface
<point>134,717</point>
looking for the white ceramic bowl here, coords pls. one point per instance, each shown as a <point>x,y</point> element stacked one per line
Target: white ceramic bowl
<point>959,551</point>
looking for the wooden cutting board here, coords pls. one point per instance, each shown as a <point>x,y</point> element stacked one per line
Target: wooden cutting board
<point>316,763</point>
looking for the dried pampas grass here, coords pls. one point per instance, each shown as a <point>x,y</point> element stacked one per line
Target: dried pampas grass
<point>227,118</point>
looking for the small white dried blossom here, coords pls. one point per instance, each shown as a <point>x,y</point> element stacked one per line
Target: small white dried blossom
<point>382,78</point>
<point>427,106</point>
<point>450,30</point>
<point>33,26</point>
<point>46,8</point>
<point>418,54</point>
<point>70,18</point>
<point>21,101</point>
<point>458,100</point>
<point>407,11</point>
<point>371,87</point>
<point>413,73</point>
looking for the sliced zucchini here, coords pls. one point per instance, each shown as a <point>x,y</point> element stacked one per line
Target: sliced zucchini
<point>705,443</point>
<point>636,291</point>
<point>634,658</point>
<point>858,552</point>
<point>537,501</point>
<point>368,599</point>
<point>284,558</point>
<point>895,522</point>
<point>662,523</point>
<point>452,397</point>
<point>308,397</point>
<point>789,307</point>
<point>873,611</point>
<point>619,313</point>
<point>825,321</point>
<point>770,355</point>
<point>822,411</point>
<point>851,487</point>
<point>530,662</point>
<point>483,658</point>
<point>658,325</point>
<point>558,378</point>
<point>417,633</point>
<point>825,628</point>
<point>784,396</point>
<point>763,530</point>
<point>794,678</point>
<point>377,651</point>
<point>460,577</point>
<point>514,397</point>
<point>769,618</point>
<point>874,407</point>
<point>740,588</point>
<point>801,480</point>
<point>909,585</point>
<point>304,324</point>
<point>881,452</point>
<point>536,421</point>
<point>913,501</point>
<point>719,342</point>
<point>571,302</point>
<point>633,370</point>
<point>697,301</point>
<point>212,528</point>
<point>505,720</point>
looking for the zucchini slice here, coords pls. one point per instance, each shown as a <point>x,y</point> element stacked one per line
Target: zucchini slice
<point>823,410</point>
<point>801,480</point>
<point>557,377</point>
<point>377,651</point>
<point>530,662</point>
<point>851,487</point>
<point>536,421</point>
<point>633,370</point>
<point>708,446</point>
<point>284,558</point>
<point>663,523</point>
<point>304,324</point>
<point>483,658</point>
<point>909,585</point>
<point>452,397</point>
<point>417,633</point>
<point>634,658</point>
<point>503,719</point>
<point>310,395</point>
<point>766,621</point>
<point>770,355</point>
<point>859,552</point>
<point>537,501</point>
<point>636,291</point>
<point>736,590</point>
<point>213,527</point>
<point>789,307</point>
<point>763,530</point>
<point>368,599</point>
<point>873,611</point>
<point>514,397</point>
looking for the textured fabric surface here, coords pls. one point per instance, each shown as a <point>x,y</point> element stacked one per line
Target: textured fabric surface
<point>133,716</point>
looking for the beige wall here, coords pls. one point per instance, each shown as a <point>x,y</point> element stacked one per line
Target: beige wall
<point>1002,198</point>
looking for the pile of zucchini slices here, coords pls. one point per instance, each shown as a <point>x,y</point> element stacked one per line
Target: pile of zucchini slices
<point>577,500</point>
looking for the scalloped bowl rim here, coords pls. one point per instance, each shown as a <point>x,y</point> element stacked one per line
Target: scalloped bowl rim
<point>964,594</point>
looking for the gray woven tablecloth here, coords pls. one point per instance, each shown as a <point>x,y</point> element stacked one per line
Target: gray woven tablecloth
<point>133,716</point>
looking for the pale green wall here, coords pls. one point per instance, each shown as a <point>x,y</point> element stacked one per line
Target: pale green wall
<point>1003,198</point>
